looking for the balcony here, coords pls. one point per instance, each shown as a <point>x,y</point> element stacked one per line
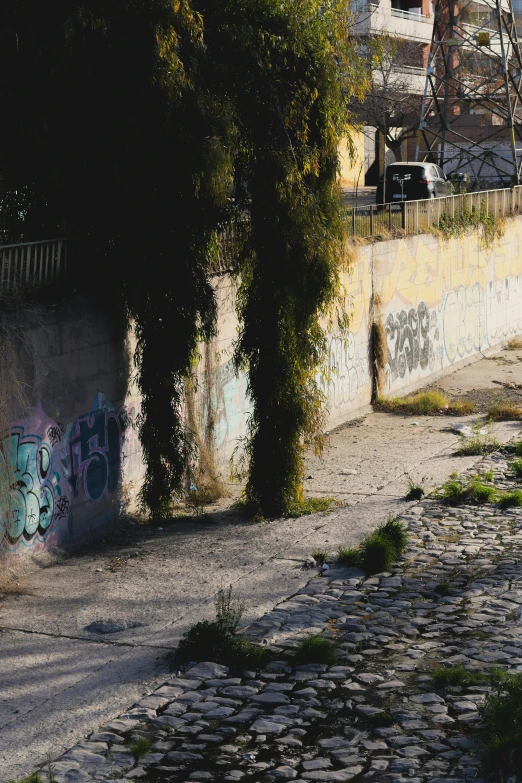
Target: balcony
<point>410,24</point>
<point>406,78</point>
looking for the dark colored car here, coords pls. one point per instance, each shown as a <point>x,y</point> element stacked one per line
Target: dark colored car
<point>412,181</point>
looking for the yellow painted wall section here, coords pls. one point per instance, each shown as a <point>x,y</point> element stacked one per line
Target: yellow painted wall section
<point>352,168</point>
<point>441,302</point>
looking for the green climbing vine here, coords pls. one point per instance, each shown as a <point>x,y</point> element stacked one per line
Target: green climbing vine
<point>491,227</point>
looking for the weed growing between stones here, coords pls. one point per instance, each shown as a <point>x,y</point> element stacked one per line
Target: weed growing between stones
<point>508,499</point>
<point>316,648</point>
<point>139,747</point>
<point>379,550</point>
<point>319,556</point>
<point>476,491</point>
<point>34,778</point>
<point>479,442</point>
<point>516,468</point>
<point>502,715</point>
<point>217,640</point>
<point>504,410</point>
<point>516,448</point>
<point>456,677</point>
<point>348,556</point>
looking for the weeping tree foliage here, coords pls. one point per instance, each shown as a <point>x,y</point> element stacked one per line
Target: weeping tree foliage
<point>140,128</point>
<point>294,69</point>
<point>114,140</point>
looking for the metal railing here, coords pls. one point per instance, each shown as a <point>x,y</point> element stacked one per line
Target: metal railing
<point>32,264</point>
<point>418,217</point>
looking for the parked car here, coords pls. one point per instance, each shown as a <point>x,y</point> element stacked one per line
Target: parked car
<point>412,181</point>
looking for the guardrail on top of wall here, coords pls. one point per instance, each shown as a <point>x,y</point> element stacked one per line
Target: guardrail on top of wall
<point>32,264</point>
<point>418,217</point>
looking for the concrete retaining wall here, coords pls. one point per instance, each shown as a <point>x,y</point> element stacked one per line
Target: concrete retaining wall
<point>74,462</point>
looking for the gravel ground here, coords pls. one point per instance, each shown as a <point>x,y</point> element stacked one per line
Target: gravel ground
<point>454,598</point>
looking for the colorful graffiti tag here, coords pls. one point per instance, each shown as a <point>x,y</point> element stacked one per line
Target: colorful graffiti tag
<point>43,475</point>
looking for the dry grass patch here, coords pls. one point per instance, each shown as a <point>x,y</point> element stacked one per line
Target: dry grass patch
<point>461,408</point>
<point>424,403</point>
<point>504,410</point>
<point>515,344</point>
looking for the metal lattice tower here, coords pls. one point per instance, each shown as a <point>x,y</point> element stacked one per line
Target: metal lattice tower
<point>471,118</point>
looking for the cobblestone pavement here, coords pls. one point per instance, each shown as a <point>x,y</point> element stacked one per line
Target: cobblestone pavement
<point>454,598</point>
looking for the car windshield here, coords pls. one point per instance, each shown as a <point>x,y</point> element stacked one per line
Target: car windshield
<point>415,172</point>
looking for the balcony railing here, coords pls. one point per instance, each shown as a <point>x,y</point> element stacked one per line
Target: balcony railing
<point>416,16</point>
<point>418,217</point>
<point>31,264</point>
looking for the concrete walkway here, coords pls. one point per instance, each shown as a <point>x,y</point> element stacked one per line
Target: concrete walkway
<point>59,681</point>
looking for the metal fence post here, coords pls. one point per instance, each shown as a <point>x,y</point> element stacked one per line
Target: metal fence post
<point>372,207</point>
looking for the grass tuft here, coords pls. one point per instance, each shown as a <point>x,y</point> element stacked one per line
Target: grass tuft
<point>504,410</point>
<point>416,489</point>
<point>516,468</point>
<point>395,532</point>
<point>475,491</point>
<point>34,778</point>
<point>377,553</point>
<point>508,499</point>
<point>502,737</point>
<point>379,550</point>
<point>515,344</point>
<point>424,403</point>
<point>456,677</point>
<point>319,556</point>
<point>316,648</point>
<point>139,747</point>
<point>217,640</point>
<point>478,443</point>
<point>348,556</point>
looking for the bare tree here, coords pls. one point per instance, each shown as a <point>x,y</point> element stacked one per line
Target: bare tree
<point>393,102</point>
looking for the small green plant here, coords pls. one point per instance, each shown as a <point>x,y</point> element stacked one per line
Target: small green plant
<point>487,475</point>
<point>348,556</point>
<point>229,608</point>
<point>516,468</point>
<point>508,499</point>
<point>504,410</point>
<point>502,736</point>
<point>319,556</point>
<point>377,553</point>
<point>452,491</point>
<point>416,489</point>
<point>217,640</point>
<point>424,403</point>
<point>479,442</point>
<point>316,648</point>
<point>516,446</point>
<point>34,778</point>
<point>456,676</point>
<point>139,747</point>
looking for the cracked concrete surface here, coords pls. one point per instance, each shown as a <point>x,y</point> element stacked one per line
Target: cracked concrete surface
<point>59,681</point>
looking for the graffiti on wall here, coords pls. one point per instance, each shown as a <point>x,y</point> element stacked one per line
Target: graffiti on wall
<point>413,340</point>
<point>43,475</point>
<point>346,371</point>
